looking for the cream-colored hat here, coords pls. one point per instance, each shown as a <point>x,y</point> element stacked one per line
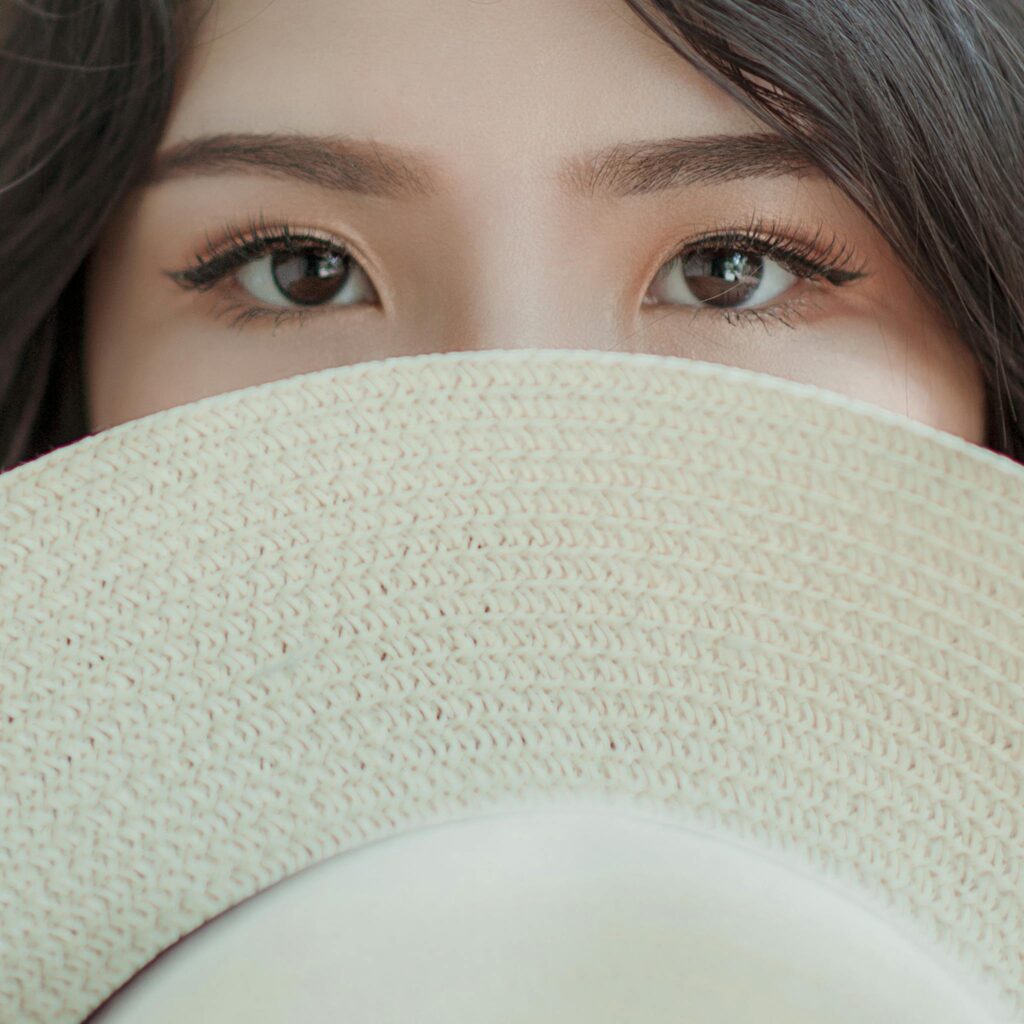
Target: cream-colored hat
<point>244,635</point>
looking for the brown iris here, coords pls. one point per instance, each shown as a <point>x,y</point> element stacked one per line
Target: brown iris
<point>310,276</point>
<point>714,275</point>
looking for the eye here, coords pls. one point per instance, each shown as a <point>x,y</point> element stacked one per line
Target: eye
<point>738,273</point>
<point>727,278</point>
<point>307,276</point>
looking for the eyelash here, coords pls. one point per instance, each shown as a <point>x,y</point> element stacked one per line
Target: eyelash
<point>807,258</point>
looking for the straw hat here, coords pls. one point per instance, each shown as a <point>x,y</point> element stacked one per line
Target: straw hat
<point>743,634</point>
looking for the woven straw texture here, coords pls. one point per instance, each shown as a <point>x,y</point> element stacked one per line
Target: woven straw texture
<point>246,634</point>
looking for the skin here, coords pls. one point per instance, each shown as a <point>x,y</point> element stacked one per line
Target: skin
<point>496,95</point>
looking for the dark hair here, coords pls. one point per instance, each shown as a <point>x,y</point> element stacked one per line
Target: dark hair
<point>915,108</point>
<point>86,87</point>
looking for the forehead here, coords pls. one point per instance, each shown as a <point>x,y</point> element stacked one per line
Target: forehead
<point>470,83</point>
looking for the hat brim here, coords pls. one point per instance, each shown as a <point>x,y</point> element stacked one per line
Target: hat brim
<point>244,635</point>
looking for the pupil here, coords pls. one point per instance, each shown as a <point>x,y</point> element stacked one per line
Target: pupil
<point>309,277</point>
<point>723,280</point>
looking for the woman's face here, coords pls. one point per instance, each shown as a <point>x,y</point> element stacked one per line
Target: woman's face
<point>472,183</point>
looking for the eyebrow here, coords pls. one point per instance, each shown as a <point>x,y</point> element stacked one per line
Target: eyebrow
<point>371,167</point>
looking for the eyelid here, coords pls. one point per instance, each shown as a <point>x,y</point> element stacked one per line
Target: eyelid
<point>806,256</point>
<point>238,246</point>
